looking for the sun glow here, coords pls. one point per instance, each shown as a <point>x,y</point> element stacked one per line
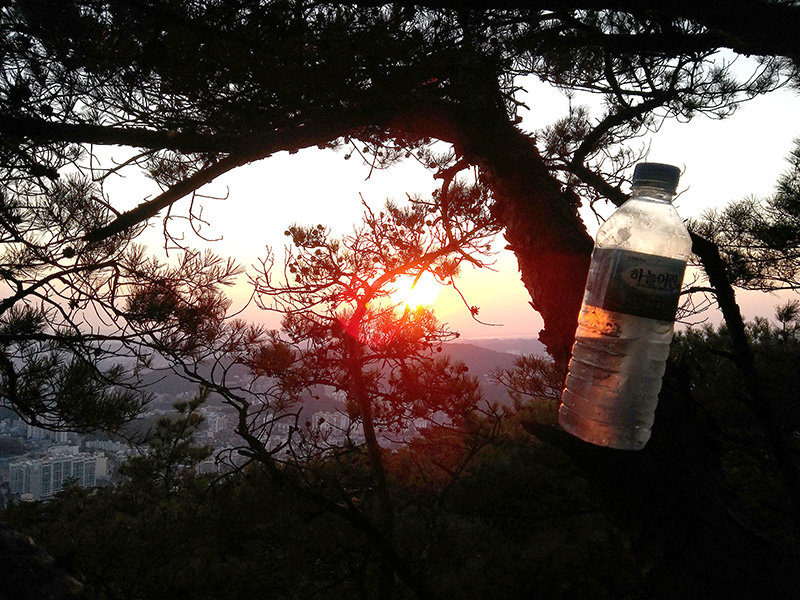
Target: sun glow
<point>422,293</point>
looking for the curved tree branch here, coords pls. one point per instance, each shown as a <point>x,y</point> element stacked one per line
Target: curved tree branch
<point>730,24</point>
<point>322,132</point>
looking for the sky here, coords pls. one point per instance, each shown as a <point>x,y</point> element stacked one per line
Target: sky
<point>722,160</point>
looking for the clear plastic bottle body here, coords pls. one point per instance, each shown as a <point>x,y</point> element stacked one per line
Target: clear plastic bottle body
<point>626,322</point>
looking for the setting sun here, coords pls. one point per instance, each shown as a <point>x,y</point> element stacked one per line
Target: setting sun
<point>423,293</point>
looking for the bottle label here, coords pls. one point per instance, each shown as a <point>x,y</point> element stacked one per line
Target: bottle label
<point>634,283</point>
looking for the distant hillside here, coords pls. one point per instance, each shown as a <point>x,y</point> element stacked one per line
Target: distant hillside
<point>482,361</point>
<point>481,357</point>
<point>510,345</point>
<point>168,383</point>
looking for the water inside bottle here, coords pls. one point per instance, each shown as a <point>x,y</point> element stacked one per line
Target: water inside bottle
<point>614,377</point>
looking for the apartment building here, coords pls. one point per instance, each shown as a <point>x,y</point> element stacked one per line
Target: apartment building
<point>43,477</point>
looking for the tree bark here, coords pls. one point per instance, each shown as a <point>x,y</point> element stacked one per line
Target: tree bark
<point>543,230</point>
<point>542,226</point>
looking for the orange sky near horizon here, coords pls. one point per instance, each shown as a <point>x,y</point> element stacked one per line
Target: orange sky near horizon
<point>722,160</point>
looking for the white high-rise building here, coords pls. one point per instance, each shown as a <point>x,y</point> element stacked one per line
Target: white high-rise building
<point>43,477</point>
<point>38,433</point>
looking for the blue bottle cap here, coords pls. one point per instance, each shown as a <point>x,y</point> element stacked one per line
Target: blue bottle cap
<point>657,175</point>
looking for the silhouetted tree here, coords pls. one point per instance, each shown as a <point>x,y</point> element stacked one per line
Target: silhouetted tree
<point>77,317</point>
<point>759,238</point>
<point>203,87</point>
<point>343,333</point>
<point>136,538</point>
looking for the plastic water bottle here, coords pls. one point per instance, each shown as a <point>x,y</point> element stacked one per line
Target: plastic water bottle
<point>626,322</point>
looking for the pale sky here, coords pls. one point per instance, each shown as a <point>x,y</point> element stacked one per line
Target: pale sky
<point>722,160</point>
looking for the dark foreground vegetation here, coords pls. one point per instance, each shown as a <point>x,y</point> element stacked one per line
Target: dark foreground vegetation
<point>705,511</point>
